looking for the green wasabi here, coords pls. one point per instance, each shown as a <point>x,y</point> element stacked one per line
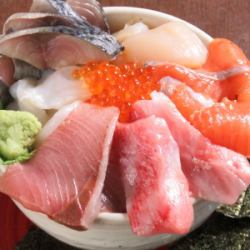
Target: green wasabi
<point>18,131</point>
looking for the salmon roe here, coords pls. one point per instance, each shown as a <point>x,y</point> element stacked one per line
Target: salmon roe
<point>120,86</point>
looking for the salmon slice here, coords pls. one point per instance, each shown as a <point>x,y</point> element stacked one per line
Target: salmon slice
<point>227,124</point>
<point>65,177</point>
<point>157,194</point>
<point>223,55</point>
<point>217,121</point>
<point>202,83</point>
<point>214,172</point>
<point>185,98</point>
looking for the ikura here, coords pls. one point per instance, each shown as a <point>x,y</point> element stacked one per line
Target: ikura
<point>120,86</point>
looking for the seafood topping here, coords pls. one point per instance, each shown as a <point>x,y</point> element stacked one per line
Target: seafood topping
<point>214,173</point>
<point>157,194</point>
<point>67,184</point>
<point>21,21</point>
<point>58,46</point>
<point>79,11</point>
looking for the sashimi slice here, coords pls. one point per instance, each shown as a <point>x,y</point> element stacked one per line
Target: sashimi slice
<point>203,82</point>
<point>226,123</point>
<point>91,10</point>
<point>26,20</point>
<point>223,55</point>
<point>79,11</point>
<point>55,121</point>
<point>214,173</point>
<point>58,46</point>
<point>65,177</point>
<point>185,98</point>
<point>42,94</point>
<point>157,194</point>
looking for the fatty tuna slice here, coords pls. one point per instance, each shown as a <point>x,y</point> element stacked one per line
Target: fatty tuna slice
<point>157,194</point>
<point>65,177</point>
<point>214,172</point>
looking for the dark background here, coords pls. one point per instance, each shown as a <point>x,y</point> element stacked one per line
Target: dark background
<point>219,18</point>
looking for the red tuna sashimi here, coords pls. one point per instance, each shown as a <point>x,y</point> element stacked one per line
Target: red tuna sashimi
<point>65,177</point>
<point>214,173</point>
<point>157,194</point>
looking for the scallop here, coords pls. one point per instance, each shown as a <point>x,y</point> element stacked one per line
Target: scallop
<point>172,42</point>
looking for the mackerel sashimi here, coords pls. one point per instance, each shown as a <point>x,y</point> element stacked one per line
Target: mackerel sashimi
<point>157,194</point>
<point>65,177</point>
<point>214,173</point>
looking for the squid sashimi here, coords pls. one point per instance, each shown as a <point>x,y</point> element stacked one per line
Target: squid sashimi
<point>172,42</point>
<point>157,194</point>
<point>225,123</point>
<point>53,91</point>
<point>223,55</point>
<point>214,173</point>
<point>65,177</point>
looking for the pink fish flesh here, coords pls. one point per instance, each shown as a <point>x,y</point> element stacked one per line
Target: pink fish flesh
<point>65,177</point>
<point>214,173</point>
<point>157,193</point>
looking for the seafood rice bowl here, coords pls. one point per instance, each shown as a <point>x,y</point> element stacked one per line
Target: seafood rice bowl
<point>117,126</point>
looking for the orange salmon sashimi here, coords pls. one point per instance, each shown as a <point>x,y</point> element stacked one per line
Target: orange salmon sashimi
<point>185,98</point>
<point>223,55</point>
<point>226,123</point>
<point>200,82</point>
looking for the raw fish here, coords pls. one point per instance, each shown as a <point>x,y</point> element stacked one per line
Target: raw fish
<point>58,46</point>
<point>206,82</point>
<point>214,173</point>
<point>53,91</point>
<point>218,121</point>
<point>226,123</point>
<point>21,21</point>
<point>55,121</point>
<point>172,42</point>
<point>157,194</point>
<point>19,90</point>
<point>223,55</point>
<point>185,98</point>
<point>79,11</point>
<point>65,177</point>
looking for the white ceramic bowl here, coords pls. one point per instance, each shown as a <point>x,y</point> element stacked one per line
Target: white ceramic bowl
<point>112,231</point>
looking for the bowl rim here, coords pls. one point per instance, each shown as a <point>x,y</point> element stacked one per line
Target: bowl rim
<point>121,218</point>
<point>107,217</point>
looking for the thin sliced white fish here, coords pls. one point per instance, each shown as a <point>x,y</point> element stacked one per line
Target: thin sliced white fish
<point>21,91</point>
<point>53,92</point>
